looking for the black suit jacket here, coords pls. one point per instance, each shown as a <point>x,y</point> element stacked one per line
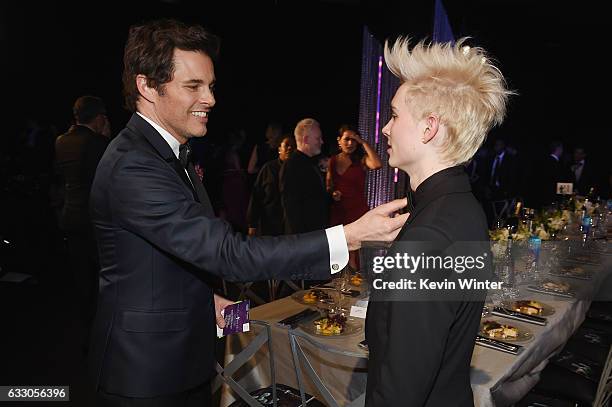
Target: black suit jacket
<point>588,179</point>
<point>265,211</point>
<point>420,351</point>
<point>303,194</point>
<point>77,153</point>
<point>154,331</point>
<point>507,175</point>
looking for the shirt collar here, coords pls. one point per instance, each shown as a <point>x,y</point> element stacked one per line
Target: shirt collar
<point>446,181</point>
<point>172,142</point>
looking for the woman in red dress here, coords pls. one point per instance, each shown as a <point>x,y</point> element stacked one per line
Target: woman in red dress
<point>346,180</point>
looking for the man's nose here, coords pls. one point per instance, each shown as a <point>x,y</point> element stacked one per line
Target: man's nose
<point>208,98</point>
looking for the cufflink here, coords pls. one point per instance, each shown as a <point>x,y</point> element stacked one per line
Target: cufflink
<point>335,267</point>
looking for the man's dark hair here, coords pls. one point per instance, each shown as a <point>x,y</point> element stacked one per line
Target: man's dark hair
<point>86,108</point>
<point>150,49</point>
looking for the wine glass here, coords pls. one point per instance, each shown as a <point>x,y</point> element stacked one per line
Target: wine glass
<point>340,284</point>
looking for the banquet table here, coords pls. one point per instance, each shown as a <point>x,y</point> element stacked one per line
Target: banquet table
<point>497,379</point>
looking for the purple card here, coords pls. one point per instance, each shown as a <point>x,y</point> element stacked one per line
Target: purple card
<point>236,318</point>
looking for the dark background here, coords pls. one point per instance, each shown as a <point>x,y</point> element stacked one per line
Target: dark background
<point>285,60</point>
<point>281,60</point>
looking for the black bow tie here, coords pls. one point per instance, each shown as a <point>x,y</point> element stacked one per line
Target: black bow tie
<point>184,154</point>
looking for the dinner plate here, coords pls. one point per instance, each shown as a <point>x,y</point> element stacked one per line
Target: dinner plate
<point>351,327</point>
<point>572,271</point>
<point>321,295</point>
<point>523,335</point>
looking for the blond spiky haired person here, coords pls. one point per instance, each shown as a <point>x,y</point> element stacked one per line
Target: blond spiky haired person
<point>421,342</point>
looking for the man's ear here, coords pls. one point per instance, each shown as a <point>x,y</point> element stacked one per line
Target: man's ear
<point>432,125</point>
<point>148,93</point>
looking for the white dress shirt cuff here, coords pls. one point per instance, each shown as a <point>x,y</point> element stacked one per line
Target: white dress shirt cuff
<point>338,249</point>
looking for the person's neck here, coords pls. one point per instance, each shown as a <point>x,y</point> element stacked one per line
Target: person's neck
<point>420,173</point>
<point>150,114</point>
<point>306,152</point>
<point>89,126</point>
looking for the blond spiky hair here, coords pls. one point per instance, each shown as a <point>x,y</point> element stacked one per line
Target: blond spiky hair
<point>459,84</point>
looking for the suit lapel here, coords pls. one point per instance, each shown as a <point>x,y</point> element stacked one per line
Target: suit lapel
<point>201,194</point>
<point>140,126</point>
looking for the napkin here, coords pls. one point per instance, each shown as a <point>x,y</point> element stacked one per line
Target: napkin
<point>293,320</point>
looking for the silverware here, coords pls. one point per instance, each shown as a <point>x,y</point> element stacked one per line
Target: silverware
<point>519,316</point>
<point>559,293</point>
<point>498,345</point>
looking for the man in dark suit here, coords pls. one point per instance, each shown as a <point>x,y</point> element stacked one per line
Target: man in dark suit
<point>303,194</point>
<point>501,181</point>
<point>421,340</point>
<point>77,153</point>
<point>583,173</point>
<point>159,241</point>
<point>551,172</point>
<point>502,172</point>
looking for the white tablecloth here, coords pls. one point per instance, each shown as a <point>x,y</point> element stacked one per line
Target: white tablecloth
<point>498,379</point>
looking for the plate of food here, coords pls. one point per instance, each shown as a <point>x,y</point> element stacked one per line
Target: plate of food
<point>332,326</point>
<point>571,270</point>
<point>314,296</point>
<point>505,332</point>
<point>356,280</point>
<point>530,307</point>
<point>556,286</point>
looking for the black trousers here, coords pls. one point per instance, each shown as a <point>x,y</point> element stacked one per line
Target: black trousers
<point>196,397</point>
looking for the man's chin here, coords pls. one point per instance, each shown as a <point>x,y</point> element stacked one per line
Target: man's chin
<point>201,133</point>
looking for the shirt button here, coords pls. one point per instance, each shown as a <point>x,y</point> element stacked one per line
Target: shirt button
<point>335,267</point>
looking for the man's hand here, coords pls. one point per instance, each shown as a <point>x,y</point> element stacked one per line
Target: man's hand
<point>220,304</point>
<point>379,224</point>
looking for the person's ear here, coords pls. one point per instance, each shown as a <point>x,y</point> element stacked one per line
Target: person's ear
<point>432,125</point>
<point>147,92</point>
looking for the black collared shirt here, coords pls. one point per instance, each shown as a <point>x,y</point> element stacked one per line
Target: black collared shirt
<point>420,350</point>
<point>449,184</point>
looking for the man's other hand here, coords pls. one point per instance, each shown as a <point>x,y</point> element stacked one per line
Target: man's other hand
<point>220,304</point>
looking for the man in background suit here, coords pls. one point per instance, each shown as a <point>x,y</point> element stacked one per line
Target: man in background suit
<point>501,181</point>
<point>77,153</point>
<point>303,194</point>
<point>583,173</point>
<point>158,239</point>
<point>502,175</point>
<point>550,171</point>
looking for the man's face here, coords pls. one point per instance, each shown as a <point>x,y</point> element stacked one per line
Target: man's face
<point>403,133</point>
<point>499,146</point>
<point>579,154</point>
<point>285,149</point>
<point>314,141</point>
<point>182,105</point>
